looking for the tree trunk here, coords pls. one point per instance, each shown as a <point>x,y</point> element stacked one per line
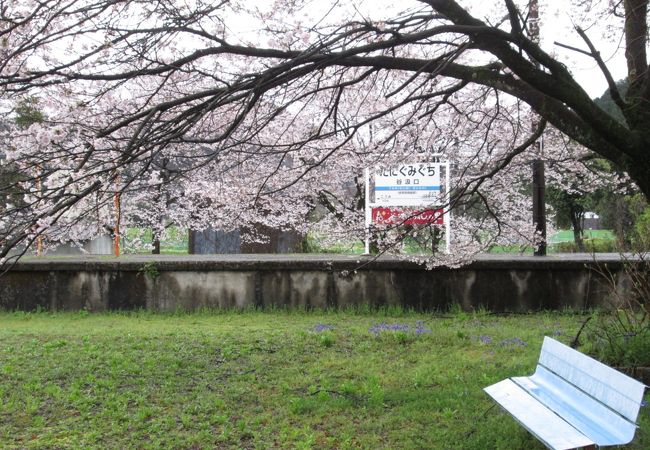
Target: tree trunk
<point>576,221</point>
<point>619,223</point>
<point>156,245</point>
<point>164,173</point>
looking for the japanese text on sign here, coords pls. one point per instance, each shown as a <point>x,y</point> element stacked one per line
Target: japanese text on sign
<point>412,184</point>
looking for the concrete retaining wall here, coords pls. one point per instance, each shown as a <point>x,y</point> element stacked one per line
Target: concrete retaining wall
<point>314,281</point>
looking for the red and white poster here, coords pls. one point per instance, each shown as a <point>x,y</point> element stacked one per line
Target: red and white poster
<point>396,216</point>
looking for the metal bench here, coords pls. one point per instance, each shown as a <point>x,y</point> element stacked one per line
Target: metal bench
<point>572,400</point>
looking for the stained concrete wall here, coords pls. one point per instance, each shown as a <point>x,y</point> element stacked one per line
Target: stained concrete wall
<point>313,281</point>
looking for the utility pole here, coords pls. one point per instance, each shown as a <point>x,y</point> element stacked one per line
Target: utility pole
<point>39,190</point>
<point>117,203</point>
<point>539,181</point>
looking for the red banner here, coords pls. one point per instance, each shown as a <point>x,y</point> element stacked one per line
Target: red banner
<point>394,216</point>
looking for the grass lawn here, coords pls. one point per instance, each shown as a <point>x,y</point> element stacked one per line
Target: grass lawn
<point>567,235</point>
<point>176,242</point>
<point>267,379</point>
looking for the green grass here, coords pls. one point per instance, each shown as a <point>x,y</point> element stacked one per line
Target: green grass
<point>560,242</point>
<point>174,243</point>
<point>266,380</point>
<point>563,242</point>
<point>567,235</point>
<point>515,249</point>
<point>177,242</point>
<point>316,243</point>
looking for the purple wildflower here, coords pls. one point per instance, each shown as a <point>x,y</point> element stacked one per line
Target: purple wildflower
<point>485,339</point>
<point>421,329</point>
<point>378,328</point>
<point>514,341</point>
<point>318,328</point>
<point>398,327</point>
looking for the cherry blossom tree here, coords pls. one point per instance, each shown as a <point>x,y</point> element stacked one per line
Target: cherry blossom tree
<point>215,113</point>
<point>576,178</point>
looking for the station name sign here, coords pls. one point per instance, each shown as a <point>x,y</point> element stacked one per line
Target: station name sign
<point>409,194</point>
<point>408,185</point>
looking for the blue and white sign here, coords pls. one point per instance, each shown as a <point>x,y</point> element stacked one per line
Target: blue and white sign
<point>411,184</point>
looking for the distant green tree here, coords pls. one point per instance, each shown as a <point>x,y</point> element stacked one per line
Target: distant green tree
<point>642,228</point>
<point>570,208</point>
<point>626,213</point>
<point>606,103</point>
<point>621,213</point>
<point>571,204</point>
<point>28,112</point>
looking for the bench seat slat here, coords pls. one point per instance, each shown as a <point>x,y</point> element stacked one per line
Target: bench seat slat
<point>547,426</point>
<point>609,386</point>
<point>572,400</point>
<point>595,420</point>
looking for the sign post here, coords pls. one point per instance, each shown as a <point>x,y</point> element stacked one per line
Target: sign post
<point>407,186</point>
<point>368,212</point>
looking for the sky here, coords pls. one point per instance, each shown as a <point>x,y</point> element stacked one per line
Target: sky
<point>557,26</point>
<point>557,17</point>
